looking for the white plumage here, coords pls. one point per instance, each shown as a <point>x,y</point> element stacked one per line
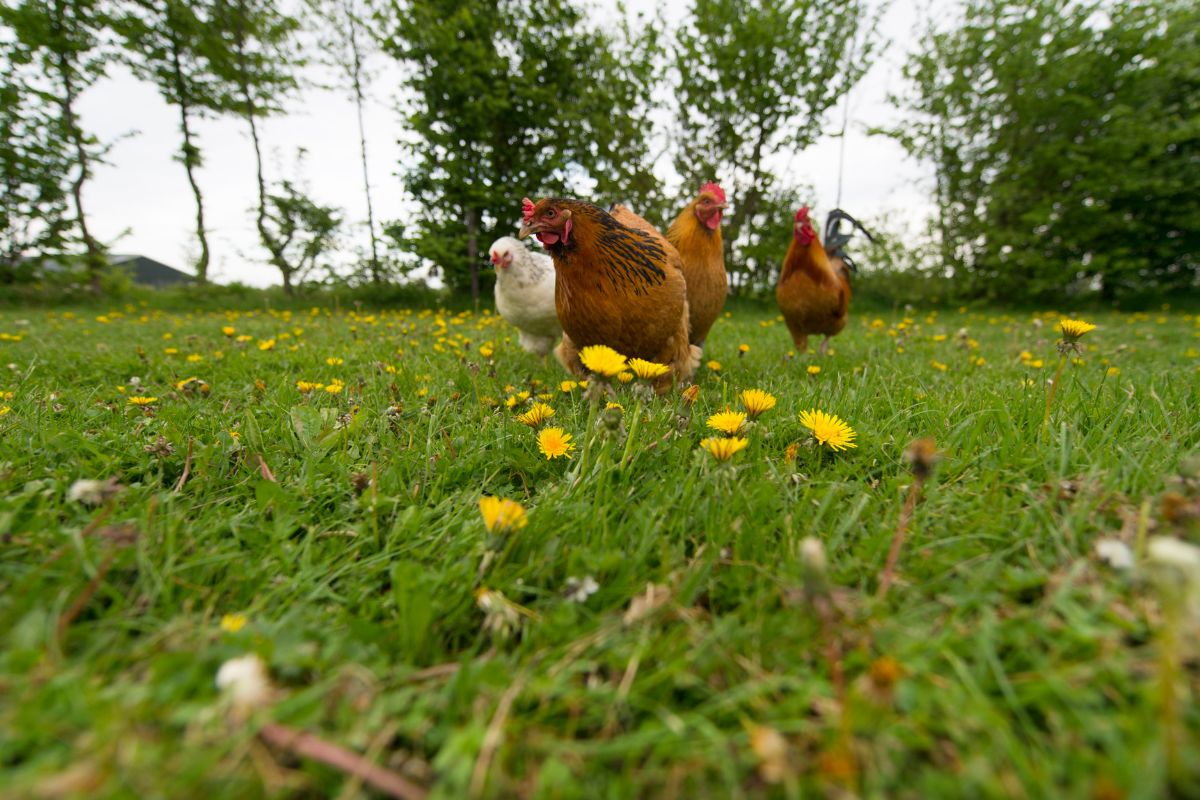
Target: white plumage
<point>525,293</point>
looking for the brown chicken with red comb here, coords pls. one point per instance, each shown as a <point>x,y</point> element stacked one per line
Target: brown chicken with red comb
<point>813,296</point>
<point>696,234</point>
<point>618,283</point>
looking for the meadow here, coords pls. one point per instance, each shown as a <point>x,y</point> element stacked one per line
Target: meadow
<point>652,621</point>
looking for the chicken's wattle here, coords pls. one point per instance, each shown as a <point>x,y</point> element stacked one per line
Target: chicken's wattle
<point>547,238</point>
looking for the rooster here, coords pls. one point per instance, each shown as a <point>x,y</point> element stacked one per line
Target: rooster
<point>696,234</point>
<point>619,283</point>
<point>813,294</point>
<point>525,294</point>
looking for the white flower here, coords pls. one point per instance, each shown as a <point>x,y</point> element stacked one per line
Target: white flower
<point>1115,553</point>
<point>578,591</point>
<point>1167,551</point>
<point>134,380</point>
<point>92,492</point>
<point>245,682</point>
<point>812,553</point>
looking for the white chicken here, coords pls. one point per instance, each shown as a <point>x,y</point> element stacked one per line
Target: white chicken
<point>525,293</point>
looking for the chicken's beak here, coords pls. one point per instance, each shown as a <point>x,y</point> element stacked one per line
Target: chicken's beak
<point>526,230</point>
<point>721,206</point>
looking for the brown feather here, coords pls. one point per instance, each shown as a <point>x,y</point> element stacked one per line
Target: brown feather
<point>619,283</point>
<point>703,260</point>
<point>813,296</point>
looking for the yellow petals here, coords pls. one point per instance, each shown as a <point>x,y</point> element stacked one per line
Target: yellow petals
<point>757,402</point>
<point>142,401</point>
<point>813,369</point>
<point>501,515</point>
<point>555,443</point>
<point>536,415</point>
<point>602,360</point>
<point>714,365</point>
<point>727,422</point>
<point>232,623</point>
<point>647,370</point>
<point>828,429</point>
<point>1073,329</point>
<point>723,449</point>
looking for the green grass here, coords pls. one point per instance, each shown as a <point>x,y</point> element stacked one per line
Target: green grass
<point>1028,668</point>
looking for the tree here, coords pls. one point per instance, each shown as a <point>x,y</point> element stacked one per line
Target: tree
<point>62,38</point>
<point>1065,145</point>
<point>345,44</point>
<point>302,230</point>
<point>34,160</point>
<point>170,43</point>
<point>510,98</point>
<point>755,78</point>
<point>259,75</point>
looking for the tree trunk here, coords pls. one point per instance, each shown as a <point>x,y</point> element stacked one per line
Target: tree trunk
<point>260,221</point>
<point>191,157</point>
<point>94,256</point>
<point>473,252</point>
<point>359,100</point>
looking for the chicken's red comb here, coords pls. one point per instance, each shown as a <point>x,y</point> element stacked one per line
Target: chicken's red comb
<point>527,209</point>
<point>715,190</point>
<point>802,214</point>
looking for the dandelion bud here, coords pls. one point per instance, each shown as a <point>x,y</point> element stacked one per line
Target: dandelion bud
<point>922,456</point>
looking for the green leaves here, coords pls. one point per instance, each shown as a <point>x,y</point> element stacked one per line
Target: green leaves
<point>1063,146</point>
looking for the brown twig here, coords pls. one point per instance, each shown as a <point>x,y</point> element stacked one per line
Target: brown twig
<point>906,513</point>
<point>187,468</point>
<point>76,608</point>
<point>308,745</point>
<point>264,470</point>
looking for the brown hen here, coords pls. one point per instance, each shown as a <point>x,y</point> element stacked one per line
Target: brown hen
<point>696,234</point>
<point>619,283</point>
<point>813,295</point>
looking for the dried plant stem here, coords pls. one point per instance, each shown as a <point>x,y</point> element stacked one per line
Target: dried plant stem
<point>906,514</point>
<point>1062,362</point>
<point>307,745</point>
<point>187,468</point>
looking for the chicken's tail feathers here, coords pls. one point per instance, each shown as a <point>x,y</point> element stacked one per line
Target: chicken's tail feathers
<point>836,239</point>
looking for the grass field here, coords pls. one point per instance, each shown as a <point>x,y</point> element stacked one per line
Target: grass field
<point>337,534</point>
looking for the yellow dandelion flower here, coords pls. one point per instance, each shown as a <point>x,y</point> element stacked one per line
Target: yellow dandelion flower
<point>307,386</point>
<point>791,452</point>
<point>602,360</point>
<point>647,370</point>
<point>335,387</point>
<point>617,406</point>
<point>1036,363</point>
<point>979,362</point>
<point>266,344</point>
<point>486,351</point>
<point>334,361</point>
<point>142,401</point>
<point>536,415</point>
<point>723,449</point>
<point>171,351</point>
<point>1026,355</point>
<point>625,377</point>
<point>195,358</point>
<point>813,369</point>
<point>939,366</point>
<point>714,365</point>
<point>555,443</point>
<point>501,515</point>
<point>229,330</point>
<point>5,410</point>
<point>727,422</point>
<point>244,338</point>
<point>828,429</point>
<point>743,349</point>
<point>1073,329</point>
<point>757,402</point>
<point>232,623</point>
<point>566,387</point>
<point>1113,372</point>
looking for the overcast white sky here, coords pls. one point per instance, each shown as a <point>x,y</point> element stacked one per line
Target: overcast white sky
<point>140,201</point>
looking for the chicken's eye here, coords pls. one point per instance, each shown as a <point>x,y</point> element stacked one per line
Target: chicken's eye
<point>550,214</point>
